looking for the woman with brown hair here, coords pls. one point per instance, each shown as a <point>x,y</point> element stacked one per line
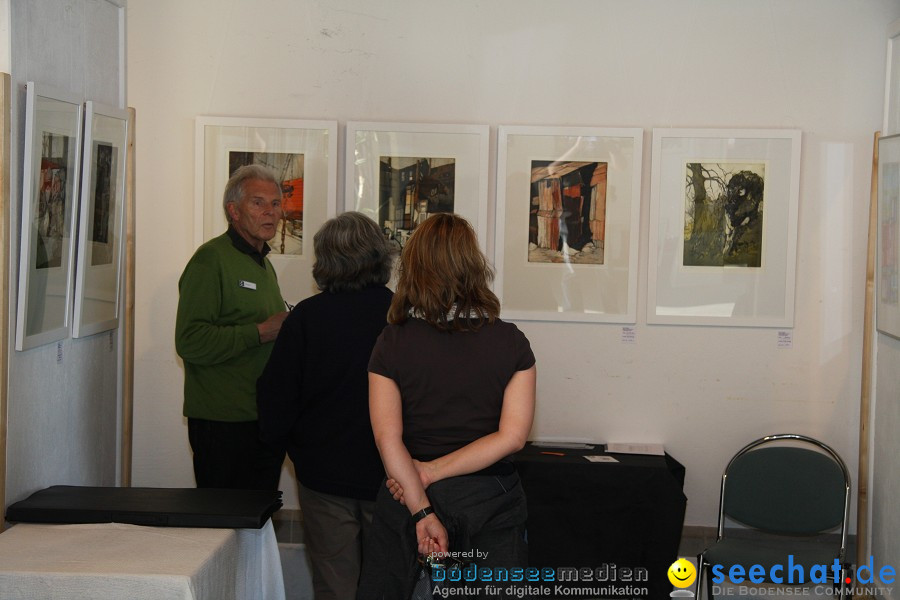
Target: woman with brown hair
<point>451,397</point>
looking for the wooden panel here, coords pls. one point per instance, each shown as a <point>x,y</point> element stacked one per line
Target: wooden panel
<point>598,203</point>
<point>127,351</point>
<point>599,176</point>
<point>5,114</point>
<point>548,229</point>
<point>865,394</point>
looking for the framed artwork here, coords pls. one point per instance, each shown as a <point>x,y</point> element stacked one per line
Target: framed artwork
<point>303,155</point>
<point>568,213</point>
<point>887,311</point>
<point>49,200</point>
<point>98,271</point>
<point>723,227</point>
<point>400,173</point>
<point>892,82</point>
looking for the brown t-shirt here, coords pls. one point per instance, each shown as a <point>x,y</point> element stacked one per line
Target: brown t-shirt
<point>451,383</point>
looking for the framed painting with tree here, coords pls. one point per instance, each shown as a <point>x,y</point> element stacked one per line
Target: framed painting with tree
<point>723,227</point>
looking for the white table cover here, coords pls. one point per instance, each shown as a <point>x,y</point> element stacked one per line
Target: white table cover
<point>113,561</point>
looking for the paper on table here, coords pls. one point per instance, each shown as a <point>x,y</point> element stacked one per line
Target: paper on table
<point>599,458</point>
<point>654,449</point>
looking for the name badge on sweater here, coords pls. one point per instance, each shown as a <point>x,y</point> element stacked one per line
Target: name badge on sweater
<point>247,284</point>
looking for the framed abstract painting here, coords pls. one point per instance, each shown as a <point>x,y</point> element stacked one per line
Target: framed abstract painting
<point>53,120</point>
<point>303,156</point>
<point>568,215</point>
<point>98,274</point>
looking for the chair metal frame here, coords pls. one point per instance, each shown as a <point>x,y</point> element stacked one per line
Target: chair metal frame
<point>701,562</point>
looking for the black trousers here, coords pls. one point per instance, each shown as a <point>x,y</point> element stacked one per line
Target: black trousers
<point>482,513</point>
<point>231,456</point>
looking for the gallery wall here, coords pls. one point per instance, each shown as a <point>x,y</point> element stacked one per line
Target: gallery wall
<point>63,417</point>
<point>813,65</point>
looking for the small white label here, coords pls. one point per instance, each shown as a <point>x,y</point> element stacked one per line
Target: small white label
<point>785,339</point>
<point>628,335</point>
<point>58,352</point>
<point>597,458</point>
<point>247,284</point>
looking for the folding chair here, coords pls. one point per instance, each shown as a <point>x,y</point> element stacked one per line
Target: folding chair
<point>784,494</point>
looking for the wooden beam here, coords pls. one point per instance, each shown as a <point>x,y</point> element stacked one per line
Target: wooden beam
<point>862,486</point>
<point>5,117</point>
<point>128,313</point>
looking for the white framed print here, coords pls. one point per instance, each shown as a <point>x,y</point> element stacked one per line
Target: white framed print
<point>891,123</point>
<point>303,155</point>
<point>723,227</point>
<point>887,305</point>
<point>400,173</point>
<point>99,262</point>
<point>53,121</point>
<point>568,217</point>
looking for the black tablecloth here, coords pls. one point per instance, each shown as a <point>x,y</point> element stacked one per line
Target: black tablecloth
<point>587,514</point>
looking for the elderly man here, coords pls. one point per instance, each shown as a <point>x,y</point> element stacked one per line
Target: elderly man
<point>230,310</point>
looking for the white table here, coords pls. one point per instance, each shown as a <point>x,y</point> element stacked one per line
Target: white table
<point>112,561</point>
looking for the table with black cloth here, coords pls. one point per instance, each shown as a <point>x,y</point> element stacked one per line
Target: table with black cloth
<point>586,514</point>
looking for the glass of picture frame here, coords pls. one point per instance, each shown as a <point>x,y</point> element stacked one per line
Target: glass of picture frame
<point>891,123</point>
<point>400,173</point>
<point>303,155</point>
<point>99,264</point>
<point>887,276</point>
<point>568,217</point>
<point>723,227</point>
<point>53,120</point>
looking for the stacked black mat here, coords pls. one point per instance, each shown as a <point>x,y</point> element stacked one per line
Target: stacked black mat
<point>158,507</point>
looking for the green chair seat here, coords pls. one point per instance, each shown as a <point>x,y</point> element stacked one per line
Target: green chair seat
<point>771,552</point>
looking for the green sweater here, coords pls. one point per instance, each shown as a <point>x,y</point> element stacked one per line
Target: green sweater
<point>215,330</point>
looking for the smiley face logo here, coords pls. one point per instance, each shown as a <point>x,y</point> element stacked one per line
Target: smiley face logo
<point>682,573</point>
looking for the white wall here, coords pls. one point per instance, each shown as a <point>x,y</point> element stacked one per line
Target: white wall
<point>63,414</point>
<point>815,65</point>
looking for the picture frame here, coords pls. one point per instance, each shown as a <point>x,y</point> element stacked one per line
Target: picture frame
<point>304,155</point>
<point>723,227</point>
<point>891,124</point>
<point>568,222</point>
<point>399,173</point>
<point>887,269</point>
<point>99,258</point>
<point>53,125</point>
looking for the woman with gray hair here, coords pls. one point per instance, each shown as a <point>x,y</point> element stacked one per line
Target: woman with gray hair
<point>313,397</point>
